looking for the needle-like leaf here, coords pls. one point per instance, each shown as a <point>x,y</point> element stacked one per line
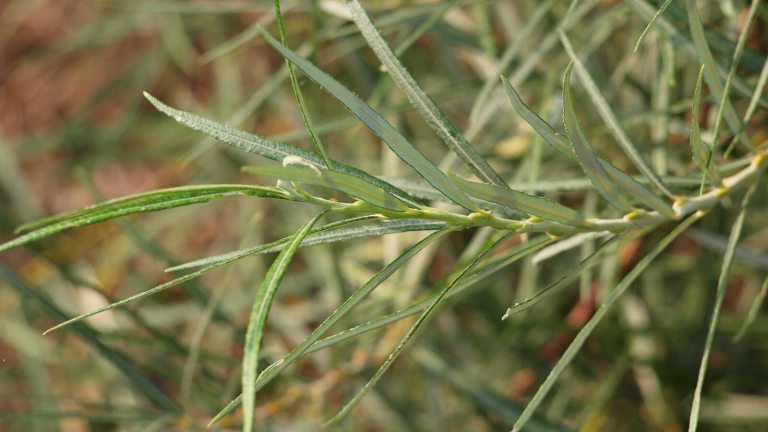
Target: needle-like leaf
<point>651,23</point>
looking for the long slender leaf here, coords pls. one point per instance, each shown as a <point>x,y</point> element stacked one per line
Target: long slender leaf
<point>297,91</point>
<point>711,72</point>
<point>562,144</point>
<point>600,313</point>
<point>700,153</point>
<point>331,233</point>
<point>426,107</point>
<point>586,156</point>
<point>351,185</point>
<point>562,281</point>
<point>265,147</point>
<point>391,136</point>
<point>92,338</point>
<point>258,319</point>
<point>722,283</point>
<point>411,332</point>
<point>754,310</point>
<point>141,203</point>
<point>651,23</point>
<point>275,368</point>
<point>531,204</point>
<point>608,116</point>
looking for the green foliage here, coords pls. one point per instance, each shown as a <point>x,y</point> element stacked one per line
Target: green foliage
<point>431,235</point>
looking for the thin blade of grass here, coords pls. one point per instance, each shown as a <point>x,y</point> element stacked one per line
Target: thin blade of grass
<point>651,24</point>
<point>609,117</point>
<point>258,319</point>
<point>531,204</point>
<point>705,57</point>
<point>382,128</point>
<point>275,368</point>
<point>754,310</point>
<point>563,145</point>
<point>426,107</point>
<point>411,332</point>
<point>722,283</point>
<point>737,52</point>
<point>141,203</point>
<point>142,383</point>
<point>351,185</point>
<point>753,103</point>
<point>297,91</point>
<point>265,147</point>
<point>586,156</point>
<point>531,24</point>
<point>700,150</point>
<point>562,281</point>
<point>330,233</point>
<point>600,313</point>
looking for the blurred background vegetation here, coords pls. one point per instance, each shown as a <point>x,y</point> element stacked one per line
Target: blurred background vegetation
<point>74,128</point>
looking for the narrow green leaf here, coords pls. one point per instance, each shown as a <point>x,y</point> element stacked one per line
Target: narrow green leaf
<point>651,23</point>
<point>258,319</point>
<point>754,310</point>
<point>562,144</point>
<point>331,233</point>
<point>608,116</point>
<point>140,203</point>
<point>297,91</point>
<point>412,331</point>
<point>394,139</point>
<point>754,101</point>
<point>600,313</point>
<point>351,185</point>
<point>90,336</point>
<point>704,55</point>
<point>426,107</point>
<point>722,283</point>
<point>700,153</point>
<point>533,205</point>
<point>275,368</point>
<point>562,281</point>
<point>267,148</point>
<point>586,156</point>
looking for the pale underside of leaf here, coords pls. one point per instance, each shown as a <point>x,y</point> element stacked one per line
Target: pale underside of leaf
<point>267,148</point>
